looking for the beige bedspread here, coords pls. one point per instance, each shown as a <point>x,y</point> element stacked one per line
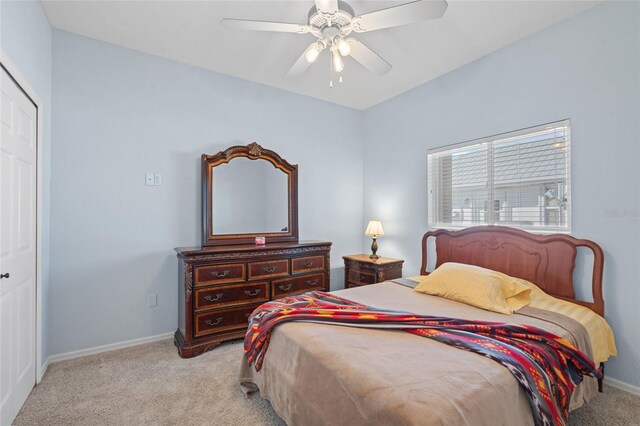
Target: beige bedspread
<point>318,374</point>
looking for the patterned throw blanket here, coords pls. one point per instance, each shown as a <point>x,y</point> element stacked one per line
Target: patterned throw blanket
<point>546,366</point>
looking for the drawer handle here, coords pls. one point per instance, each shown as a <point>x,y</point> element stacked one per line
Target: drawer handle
<point>213,299</point>
<point>311,283</point>
<point>308,264</point>
<point>224,273</point>
<point>284,287</point>
<point>218,321</point>
<point>253,293</point>
<point>270,269</point>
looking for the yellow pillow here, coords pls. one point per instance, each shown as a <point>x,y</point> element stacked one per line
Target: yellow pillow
<point>603,343</point>
<point>476,286</point>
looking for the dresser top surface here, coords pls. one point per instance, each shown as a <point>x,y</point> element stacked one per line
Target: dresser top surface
<point>366,259</point>
<point>198,250</point>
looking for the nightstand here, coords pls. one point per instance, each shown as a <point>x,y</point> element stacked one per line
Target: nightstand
<point>360,269</point>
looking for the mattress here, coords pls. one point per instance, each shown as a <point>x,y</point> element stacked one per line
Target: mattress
<point>319,374</point>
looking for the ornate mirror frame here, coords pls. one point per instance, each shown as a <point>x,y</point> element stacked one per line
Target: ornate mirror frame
<point>253,151</point>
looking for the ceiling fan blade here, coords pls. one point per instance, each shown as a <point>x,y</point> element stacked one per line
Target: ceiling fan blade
<point>327,6</point>
<point>245,24</point>
<point>299,67</point>
<point>368,58</point>
<point>404,14</point>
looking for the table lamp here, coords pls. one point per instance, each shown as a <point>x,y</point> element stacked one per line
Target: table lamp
<point>374,230</point>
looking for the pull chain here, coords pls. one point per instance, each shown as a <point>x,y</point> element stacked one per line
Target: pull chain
<point>330,71</point>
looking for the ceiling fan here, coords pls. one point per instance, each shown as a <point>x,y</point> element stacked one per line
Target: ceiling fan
<point>331,21</point>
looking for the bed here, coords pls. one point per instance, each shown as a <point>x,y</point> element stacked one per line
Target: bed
<point>317,374</point>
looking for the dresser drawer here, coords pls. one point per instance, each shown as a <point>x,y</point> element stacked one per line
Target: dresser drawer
<point>222,320</point>
<point>216,274</point>
<point>232,294</point>
<point>358,276</point>
<point>269,269</point>
<point>307,264</point>
<point>301,284</point>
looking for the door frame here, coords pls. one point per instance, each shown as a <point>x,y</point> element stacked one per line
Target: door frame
<point>23,84</point>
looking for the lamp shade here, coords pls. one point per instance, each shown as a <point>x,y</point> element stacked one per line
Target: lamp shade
<point>374,229</point>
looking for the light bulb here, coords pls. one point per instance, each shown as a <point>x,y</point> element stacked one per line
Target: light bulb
<point>313,51</point>
<point>338,64</point>
<point>343,47</point>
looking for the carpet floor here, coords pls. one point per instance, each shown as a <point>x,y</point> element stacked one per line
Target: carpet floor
<point>151,385</point>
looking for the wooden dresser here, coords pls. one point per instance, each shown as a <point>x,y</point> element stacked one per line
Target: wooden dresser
<point>360,269</point>
<point>221,285</point>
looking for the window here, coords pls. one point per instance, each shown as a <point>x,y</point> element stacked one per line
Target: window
<point>519,179</point>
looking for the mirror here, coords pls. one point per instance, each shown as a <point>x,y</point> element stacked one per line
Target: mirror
<point>249,197</point>
<point>248,192</point>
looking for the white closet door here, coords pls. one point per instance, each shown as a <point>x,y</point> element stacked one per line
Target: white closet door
<point>18,145</point>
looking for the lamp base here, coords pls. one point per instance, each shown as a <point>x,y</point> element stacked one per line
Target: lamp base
<point>374,249</point>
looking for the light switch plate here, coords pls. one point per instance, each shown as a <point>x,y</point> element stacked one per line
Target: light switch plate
<point>152,300</point>
<point>149,179</point>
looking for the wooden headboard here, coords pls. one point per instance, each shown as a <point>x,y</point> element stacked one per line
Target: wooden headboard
<point>545,260</point>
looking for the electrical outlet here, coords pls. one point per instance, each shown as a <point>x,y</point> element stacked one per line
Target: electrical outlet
<point>152,300</point>
<point>157,179</point>
<point>149,179</point>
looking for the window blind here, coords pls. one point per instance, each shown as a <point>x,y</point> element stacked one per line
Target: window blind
<point>519,179</point>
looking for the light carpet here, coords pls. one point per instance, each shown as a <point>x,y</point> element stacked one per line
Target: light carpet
<point>151,385</point>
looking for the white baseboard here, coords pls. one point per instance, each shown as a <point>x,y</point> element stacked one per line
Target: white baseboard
<point>619,384</point>
<point>105,348</point>
<point>42,370</point>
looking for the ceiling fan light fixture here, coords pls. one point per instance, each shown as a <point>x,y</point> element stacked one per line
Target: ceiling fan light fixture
<point>331,21</point>
<point>312,52</point>
<point>338,63</point>
<point>343,46</point>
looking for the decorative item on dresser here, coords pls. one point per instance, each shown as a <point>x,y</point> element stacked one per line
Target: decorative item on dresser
<point>361,269</point>
<point>250,252</point>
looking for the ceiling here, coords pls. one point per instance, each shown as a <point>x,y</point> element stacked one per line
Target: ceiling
<point>189,32</point>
